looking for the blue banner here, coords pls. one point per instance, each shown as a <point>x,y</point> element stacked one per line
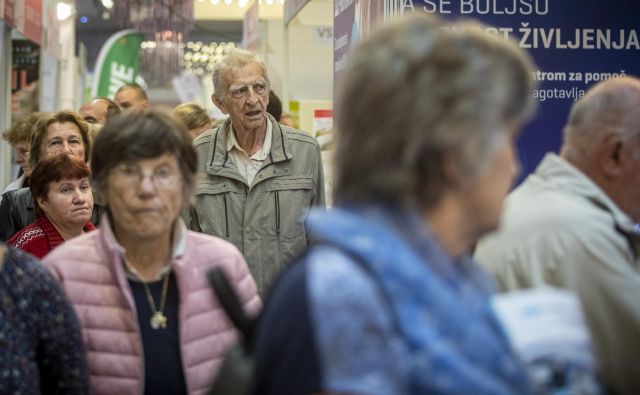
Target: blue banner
<point>574,44</point>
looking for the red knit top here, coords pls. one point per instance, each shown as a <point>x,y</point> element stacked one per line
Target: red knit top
<point>40,237</point>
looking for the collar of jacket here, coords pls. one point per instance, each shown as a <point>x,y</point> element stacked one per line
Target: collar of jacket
<point>24,196</point>
<point>568,177</point>
<point>218,159</point>
<point>114,253</point>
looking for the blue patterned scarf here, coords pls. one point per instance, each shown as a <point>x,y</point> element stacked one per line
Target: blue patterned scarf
<point>442,305</point>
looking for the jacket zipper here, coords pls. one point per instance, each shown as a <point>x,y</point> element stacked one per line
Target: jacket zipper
<point>277,202</point>
<point>226,215</point>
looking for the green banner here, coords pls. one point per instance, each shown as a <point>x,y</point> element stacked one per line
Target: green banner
<point>117,63</point>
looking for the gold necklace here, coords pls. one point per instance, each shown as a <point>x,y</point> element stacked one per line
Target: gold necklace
<point>158,319</point>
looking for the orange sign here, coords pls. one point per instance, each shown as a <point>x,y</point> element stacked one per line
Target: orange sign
<point>32,25</point>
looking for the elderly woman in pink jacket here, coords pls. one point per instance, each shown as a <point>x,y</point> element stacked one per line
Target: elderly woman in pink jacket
<point>150,323</point>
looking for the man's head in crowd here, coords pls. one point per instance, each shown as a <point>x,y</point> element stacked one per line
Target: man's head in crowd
<point>602,139</point>
<point>99,110</point>
<point>19,137</point>
<point>131,97</point>
<point>241,89</point>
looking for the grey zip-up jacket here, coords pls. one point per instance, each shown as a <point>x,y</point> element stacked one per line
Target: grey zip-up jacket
<point>265,220</point>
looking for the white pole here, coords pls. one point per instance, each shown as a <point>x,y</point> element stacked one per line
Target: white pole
<point>5,103</point>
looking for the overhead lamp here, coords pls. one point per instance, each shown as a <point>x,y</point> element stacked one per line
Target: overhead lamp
<point>108,4</point>
<point>63,10</point>
<point>215,2</point>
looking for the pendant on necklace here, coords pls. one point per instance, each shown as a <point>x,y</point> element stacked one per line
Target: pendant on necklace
<point>158,320</point>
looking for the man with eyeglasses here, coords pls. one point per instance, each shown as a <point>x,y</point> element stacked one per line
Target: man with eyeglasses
<point>257,178</point>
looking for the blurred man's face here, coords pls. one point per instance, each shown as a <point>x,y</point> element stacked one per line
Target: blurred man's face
<point>130,99</point>
<point>22,157</point>
<point>627,191</point>
<point>94,112</point>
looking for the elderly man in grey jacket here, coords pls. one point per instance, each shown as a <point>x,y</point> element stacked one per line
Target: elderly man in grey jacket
<point>571,225</point>
<point>257,178</point>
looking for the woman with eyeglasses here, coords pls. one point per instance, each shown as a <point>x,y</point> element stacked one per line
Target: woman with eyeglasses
<point>150,322</point>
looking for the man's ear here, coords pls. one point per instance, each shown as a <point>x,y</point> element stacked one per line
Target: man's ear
<point>611,156</point>
<point>219,103</point>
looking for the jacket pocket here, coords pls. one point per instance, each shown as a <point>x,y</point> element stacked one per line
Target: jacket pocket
<point>212,206</point>
<point>290,199</point>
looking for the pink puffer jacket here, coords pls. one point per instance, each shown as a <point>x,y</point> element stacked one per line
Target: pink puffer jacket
<point>92,274</point>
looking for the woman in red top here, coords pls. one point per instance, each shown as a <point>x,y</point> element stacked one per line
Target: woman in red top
<point>64,203</point>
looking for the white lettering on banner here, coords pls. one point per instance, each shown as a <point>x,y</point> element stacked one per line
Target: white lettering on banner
<point>341,42</point>
<point>542,76</point>
<point>556,93</point>
<point>533,37</point>
<point>340,64</point>
<point>341,5</point>
<point>502,7</point>
<point>573,93</point>
<point>440,7</point>
<point>553,38</point>
<point>408,4</point>
<point>120,75</point>
<point>587,77</point>
<point>505,32</point>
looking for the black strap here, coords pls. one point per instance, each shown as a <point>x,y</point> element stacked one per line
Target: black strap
<point>246,325</point>
<point>231,304</point>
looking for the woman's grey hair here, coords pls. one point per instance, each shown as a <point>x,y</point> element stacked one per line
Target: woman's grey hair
<point>234,60</point>
<point>421,108</point>
<point>134,136</point>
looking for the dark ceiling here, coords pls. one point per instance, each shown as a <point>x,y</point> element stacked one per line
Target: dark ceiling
<point>96,30</point>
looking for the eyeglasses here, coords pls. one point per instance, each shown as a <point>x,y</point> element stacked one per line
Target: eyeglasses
<point>131,176</point>
<point>238,91</point>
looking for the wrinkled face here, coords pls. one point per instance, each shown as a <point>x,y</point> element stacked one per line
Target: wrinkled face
<point>94,112</point>
<point>130,99</point>
<point>69,203</point>
<point>145,197</point>
<point>63,138</point>
<point>22,156</point>
<point>246,98</point>
<point>486,195</point>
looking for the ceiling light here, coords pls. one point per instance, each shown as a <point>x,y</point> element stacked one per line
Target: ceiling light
<point>108,4</point>
<point>63,11</point>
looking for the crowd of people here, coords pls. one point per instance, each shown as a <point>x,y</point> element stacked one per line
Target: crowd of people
<point>121,210</point>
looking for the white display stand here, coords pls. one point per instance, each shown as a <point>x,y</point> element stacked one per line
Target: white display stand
<point>5,102</point>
